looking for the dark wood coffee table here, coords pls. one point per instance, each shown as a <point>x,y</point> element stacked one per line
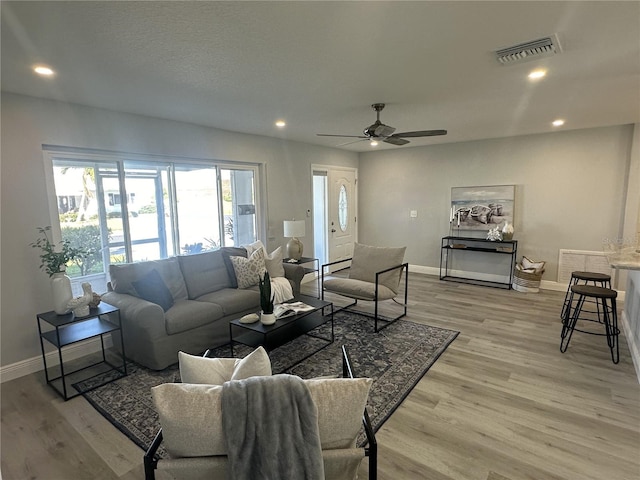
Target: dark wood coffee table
<point>285,329</point>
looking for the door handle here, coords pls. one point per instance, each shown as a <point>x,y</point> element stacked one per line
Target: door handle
<point>333,230</point>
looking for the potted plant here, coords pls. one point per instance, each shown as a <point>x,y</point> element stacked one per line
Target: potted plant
<point>55,264</point>
<point>266,300</point>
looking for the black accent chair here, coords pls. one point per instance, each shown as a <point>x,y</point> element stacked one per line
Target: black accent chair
<point>374,275</point>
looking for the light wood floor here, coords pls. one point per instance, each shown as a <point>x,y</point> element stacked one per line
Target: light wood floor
<point>502,403</point>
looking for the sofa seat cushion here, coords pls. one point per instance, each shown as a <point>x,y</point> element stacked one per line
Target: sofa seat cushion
<point>188,314</point>
<point>358,289</point>
<point>122,276</point>
<point>204,272</point>
<point>233,300</point>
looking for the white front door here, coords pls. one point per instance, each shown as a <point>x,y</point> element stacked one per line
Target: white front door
<point>342,213</point>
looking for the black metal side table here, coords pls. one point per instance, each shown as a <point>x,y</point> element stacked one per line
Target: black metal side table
<point>68,330</point>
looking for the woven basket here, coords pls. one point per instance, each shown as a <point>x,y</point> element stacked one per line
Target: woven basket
<point>526,282</point>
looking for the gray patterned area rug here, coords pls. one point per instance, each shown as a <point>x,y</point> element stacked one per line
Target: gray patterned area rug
<point>395,358</point>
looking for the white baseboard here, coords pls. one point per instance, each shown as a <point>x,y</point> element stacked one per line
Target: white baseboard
<point>34,364</point>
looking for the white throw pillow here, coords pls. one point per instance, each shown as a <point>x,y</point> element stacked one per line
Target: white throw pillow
<point>249,270</point>
<point>216,371</point>
<point>199,369</point>
<point>273,263</point>
<point>256,364</point>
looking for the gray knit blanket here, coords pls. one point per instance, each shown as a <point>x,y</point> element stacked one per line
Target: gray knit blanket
<point>271,429</point>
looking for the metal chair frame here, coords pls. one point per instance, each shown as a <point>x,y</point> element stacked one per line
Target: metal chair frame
<point>376,317</point>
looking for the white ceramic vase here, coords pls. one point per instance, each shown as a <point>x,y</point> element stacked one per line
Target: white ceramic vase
<point>61,291</point>
<point>267,318</point>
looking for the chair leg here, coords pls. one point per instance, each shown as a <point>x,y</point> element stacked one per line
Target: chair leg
<point>567,328</point>
<point>611,329</point>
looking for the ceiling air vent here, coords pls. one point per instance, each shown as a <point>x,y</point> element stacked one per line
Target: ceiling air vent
<point>543,47</point>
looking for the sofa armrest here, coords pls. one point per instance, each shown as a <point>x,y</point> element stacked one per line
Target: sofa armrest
<point>294,273</point>
<point>138,315</point>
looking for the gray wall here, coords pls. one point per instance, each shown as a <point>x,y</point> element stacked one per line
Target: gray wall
<point>28,123</point>
<point>571,190</point>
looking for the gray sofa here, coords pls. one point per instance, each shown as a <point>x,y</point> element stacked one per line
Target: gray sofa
<point>197,296</point>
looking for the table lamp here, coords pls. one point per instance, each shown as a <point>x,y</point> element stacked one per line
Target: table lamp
<point>294,229</point>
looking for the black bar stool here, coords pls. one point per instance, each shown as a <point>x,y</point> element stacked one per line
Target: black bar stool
<point>606,314</point>
<point>598,279</point>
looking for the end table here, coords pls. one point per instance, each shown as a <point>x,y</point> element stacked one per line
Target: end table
<point>65,330</point>
<point>314,267</point>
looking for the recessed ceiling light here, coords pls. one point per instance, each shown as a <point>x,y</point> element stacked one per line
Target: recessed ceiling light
<point>557,123</point>
<point>537,74</point>
<point>281,124</point>
<point>42,70</point>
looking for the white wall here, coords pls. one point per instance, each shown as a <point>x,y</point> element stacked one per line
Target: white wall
<point>571,190</point>
<point>28,123</point>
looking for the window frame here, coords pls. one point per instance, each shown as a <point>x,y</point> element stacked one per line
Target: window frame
<point>56,153</point>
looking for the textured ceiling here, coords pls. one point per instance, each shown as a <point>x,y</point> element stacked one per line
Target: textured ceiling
<point>320,65</point>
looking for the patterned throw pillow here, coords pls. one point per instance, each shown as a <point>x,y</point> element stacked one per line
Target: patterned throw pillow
<point>249,270</point>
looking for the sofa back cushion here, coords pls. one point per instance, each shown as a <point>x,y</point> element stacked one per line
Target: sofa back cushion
<point>191,414</point>
<point>204,273</point>
<point>122,275</point>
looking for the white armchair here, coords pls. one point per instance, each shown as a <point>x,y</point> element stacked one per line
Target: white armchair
<point>374,276</point>
<point>191,418</point>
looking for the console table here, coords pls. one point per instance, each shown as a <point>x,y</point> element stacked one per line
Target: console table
<point>451,246</point>
<point>64,330</point>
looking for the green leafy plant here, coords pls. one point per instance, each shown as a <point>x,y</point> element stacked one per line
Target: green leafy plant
<point>55,261</point>
<point>88,239</point>
<point>266,300</point>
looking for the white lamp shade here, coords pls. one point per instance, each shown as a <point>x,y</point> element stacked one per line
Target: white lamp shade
<point>294,228</point>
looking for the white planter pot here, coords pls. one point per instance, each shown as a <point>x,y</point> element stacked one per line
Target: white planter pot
<point>267,318</point>
<point>61,292</point>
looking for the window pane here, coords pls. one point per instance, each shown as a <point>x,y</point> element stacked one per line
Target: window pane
<point>148,211</point>
<point>238,201</point>
<point>197,207</point>
<point>81,223</point>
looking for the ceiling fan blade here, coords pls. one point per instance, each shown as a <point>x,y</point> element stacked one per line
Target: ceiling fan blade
<point>393,140</point>
<point>345,136</point>
<point>421,133</point>
<point>354,141</point>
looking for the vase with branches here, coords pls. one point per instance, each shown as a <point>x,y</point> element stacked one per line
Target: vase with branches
<point>54,261</point>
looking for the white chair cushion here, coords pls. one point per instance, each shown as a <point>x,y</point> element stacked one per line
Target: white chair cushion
<point>368,260</point>
<point>191,415</point>
<point>358,289</point>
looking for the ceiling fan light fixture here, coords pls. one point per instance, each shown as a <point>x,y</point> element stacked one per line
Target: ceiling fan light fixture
<point>373,143</point>
<point>281,123</point>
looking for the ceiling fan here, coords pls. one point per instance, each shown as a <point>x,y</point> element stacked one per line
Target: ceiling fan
<point>380,131</point>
